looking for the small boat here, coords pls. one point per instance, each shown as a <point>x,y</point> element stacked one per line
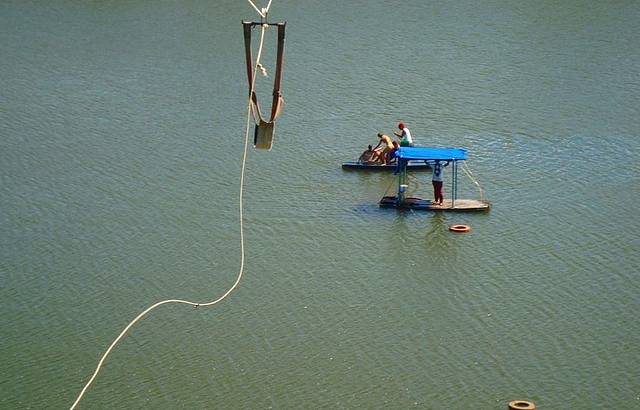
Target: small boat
<point>401,200</point>
<point>412,165</point>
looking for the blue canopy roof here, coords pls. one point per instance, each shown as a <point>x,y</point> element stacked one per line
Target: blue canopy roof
<point>433,153</point>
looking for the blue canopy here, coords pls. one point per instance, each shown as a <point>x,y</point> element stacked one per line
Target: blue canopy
<point>432,153</point>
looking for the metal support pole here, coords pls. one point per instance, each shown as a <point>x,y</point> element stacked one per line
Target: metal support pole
<point>454,184</point>
<point>402,181</point>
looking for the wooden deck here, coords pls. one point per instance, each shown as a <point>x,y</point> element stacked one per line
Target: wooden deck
<point>412,165</point>
<point>461,205</point>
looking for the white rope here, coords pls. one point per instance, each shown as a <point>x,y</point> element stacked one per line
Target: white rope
<point>266,10</point>
<point>466,169</point>
<point>263,13</point>
<point>415,183</point>
<point>387,190</point>
<point>257,9</point>
<point>241,270</point>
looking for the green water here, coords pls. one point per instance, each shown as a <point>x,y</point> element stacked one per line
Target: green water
<point>121,135</point>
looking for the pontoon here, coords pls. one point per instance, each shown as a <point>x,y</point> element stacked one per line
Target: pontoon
<point>407,155</point>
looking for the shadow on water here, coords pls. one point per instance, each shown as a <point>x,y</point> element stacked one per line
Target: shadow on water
<point>427,228</point>
<point>423,239</point>
<point>441,244</point>
<point>121,139</point>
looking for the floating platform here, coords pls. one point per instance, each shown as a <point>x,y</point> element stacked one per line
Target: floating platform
<point>412,165</point>
<point>459,205</point>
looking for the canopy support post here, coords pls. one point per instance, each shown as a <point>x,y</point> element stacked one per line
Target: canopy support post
<point>402,180</point>
<point>454,184</point>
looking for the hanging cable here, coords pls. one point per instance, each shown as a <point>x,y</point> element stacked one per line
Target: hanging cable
<point>242,253</point>
<point>467,171</point>
<point>415,184</point>
<point>260,12</point>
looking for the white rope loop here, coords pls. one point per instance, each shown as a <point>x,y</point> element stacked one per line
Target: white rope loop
<point>242,252</point>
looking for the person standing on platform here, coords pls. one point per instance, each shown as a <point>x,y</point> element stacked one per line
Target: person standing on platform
<point>437,179</point>
<point>404,135</point>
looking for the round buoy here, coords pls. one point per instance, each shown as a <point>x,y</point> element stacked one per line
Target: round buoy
<point>460,228</point>
<point>521,405</point>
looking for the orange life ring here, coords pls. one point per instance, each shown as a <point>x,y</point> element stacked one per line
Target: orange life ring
<point>521,405</point>
<point>460,228</point>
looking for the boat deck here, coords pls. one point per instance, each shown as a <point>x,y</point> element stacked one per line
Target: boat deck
<point>412,165</point>
<point>460,205</point>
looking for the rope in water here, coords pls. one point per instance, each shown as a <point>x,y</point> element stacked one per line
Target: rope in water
<point>242,256</point>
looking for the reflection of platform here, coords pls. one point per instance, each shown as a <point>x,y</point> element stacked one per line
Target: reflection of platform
<point>460,205</point>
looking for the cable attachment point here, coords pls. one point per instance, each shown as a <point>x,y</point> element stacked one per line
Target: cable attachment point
<point>262,70</point>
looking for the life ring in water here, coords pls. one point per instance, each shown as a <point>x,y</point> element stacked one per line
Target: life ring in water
<point>460,228</point>
<point>521,405</point>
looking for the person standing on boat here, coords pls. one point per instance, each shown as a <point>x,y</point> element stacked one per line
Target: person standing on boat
<point>437,179</point>
<point>382,149</point>
<point>404,135</point>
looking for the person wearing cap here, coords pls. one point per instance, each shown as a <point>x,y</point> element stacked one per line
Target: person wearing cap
<point>382,149</point>
<point>404,135</point>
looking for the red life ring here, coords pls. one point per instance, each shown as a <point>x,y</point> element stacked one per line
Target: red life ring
<point>460,228</point>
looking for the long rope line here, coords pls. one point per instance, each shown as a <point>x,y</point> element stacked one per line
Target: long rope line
<point>415,183</point>
<point>257,9</point>
<point>266,9</point>
<point>388,190</point>
<point>242,253</point>
<point>466,169</point>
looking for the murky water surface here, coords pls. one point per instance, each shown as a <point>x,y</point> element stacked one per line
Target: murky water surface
<point>121,135</point>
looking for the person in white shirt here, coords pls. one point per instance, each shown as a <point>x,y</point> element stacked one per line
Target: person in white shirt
<point>404,135</point>
<point>437,179</point>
